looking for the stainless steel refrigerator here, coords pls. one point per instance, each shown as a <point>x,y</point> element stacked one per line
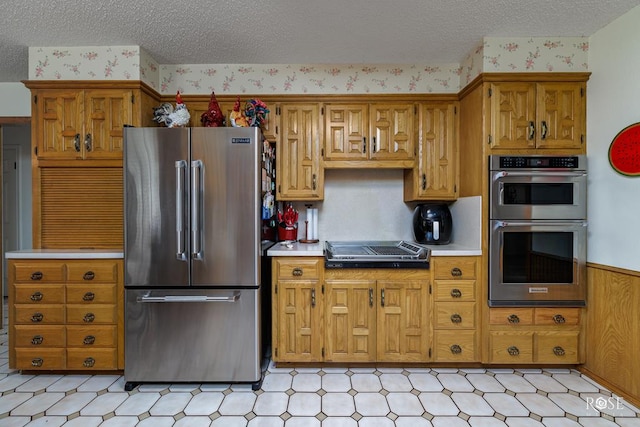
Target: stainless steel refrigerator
<point>192,255</point>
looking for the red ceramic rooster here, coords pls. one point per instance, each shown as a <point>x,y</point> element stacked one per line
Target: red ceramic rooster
<point>213,117</point>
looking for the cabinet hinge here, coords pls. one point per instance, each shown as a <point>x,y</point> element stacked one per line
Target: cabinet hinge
<point>35,99</point>
<point>455,110</point>
<point>279,189</point>
<point>582,139</point>
<point>278,111</point>
<point>455,188</point>
<point>322,153</point>
<point>133,97</point>
<point>35,150</point>
<point>429,353</point>
<point>415,109</point>
<point>275,350</point>
<point>582,92</point>
<point>323,352</point>
<point>489,140</point>
<point>429,288</point>
<point>322,111</point>
<point>322,289</point>
<point>490,92</point>
<point>275,289</point>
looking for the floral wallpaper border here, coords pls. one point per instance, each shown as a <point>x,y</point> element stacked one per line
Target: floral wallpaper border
<point>533,54</point>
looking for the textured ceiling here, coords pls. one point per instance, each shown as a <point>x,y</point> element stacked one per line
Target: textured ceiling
<point>291,31</point>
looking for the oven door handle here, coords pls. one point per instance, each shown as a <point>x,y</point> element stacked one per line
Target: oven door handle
<point>503,224</point>
<point>502,174</point>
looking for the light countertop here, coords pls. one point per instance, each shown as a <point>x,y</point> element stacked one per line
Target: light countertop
<point>317,249</point>
<point>64,254</point>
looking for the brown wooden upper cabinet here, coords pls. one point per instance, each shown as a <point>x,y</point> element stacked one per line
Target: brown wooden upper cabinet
<point>369,135</point>
<point>526,115</point>
<point>299,165</point>
<point>72,124</point>
<point>435,175</point>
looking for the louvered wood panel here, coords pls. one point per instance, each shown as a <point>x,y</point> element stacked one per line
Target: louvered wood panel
<point>81,208</point>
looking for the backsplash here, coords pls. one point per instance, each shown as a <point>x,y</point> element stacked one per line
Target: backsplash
<point>533,54</point>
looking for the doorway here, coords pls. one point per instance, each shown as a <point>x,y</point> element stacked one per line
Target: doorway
<point>15,140</point>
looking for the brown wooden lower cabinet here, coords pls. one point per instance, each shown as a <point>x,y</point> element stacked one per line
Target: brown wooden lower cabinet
<point>64,314</point>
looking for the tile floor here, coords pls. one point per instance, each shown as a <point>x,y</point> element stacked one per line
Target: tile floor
<point>310,397</point>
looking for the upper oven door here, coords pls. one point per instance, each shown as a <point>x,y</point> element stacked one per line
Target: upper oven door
<point>538,195</point>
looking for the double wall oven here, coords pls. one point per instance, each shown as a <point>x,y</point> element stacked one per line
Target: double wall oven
<point>538,230</point>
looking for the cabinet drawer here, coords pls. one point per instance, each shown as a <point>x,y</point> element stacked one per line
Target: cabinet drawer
<point>511,347</point>
<point>93,358</point>
<point>511,316</point>
<point>42,358</point>
<point>39,294</point>
<point>41,314</point>
<point>557,347</point>
<point>298,268</point>
<point>455,268</point>
<point>455,315</point>
<point>454,290</point>
<point>94,271</point>
<point>92,336</point>
<point>91,294</point>
<point>38,271</point>
<point>39,336</point>
<point>557,316</point>
<point>91,314</point>
<point>455,346</point>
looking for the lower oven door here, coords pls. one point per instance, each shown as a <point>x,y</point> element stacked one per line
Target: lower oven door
<point>537,263</point>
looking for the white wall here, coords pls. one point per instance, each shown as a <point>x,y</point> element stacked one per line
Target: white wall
<point>613,97</point>
<point>16,100</point>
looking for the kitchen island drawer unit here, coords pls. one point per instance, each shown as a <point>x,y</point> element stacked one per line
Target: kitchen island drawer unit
<point>61,308</point>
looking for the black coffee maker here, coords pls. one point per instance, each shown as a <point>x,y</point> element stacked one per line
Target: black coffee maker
<point>432,224</point>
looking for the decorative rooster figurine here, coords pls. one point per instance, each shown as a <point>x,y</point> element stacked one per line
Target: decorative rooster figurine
<point>180,116</point>
<point>213,117</point>
<point>171,117</point>
<point>238,119</point>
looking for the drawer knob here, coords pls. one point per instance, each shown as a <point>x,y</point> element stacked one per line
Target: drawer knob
<point>513,318</point>
<point>89,340</point>
<point>89,317</point>
<point>456,318</point>
<point>89,296</point>
<point>455,349</point>
<point>513,350</point>
<point>559,319</point>
<point>36,275</point>
<point>36,296</point>
<point>89,362</point>
<point>37,317</point>
<point>456,293</point>
<point>297,272</point>
<point>37,362</point>
<point>558,351</point>
<point>456,272</point>
<point>89,275</point>
<point>37,339</point>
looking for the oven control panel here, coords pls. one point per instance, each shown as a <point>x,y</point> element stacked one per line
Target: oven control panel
<point>539,162</point>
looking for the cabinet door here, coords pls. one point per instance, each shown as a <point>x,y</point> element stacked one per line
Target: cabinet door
<point>513,115</point>
<point>299,172</point>
<point>299,334</point>
<point>106,112</point>
<point>436,173</point>
<point>402,321</point>
<point>346,131</point>
<point>58,116</point>
<point>350,320</point>
<point>391,131</point>
<point>561,115</point>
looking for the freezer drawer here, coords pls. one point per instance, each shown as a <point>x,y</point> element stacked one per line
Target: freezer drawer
<point>192,336</point>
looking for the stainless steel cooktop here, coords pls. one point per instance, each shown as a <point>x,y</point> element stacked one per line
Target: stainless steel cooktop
<point>376,254</point>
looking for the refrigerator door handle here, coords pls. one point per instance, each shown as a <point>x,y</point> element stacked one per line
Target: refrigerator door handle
<point>188,298</point>
<point>196,206</point>
<point>181,167</point>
